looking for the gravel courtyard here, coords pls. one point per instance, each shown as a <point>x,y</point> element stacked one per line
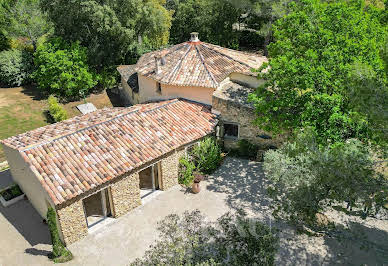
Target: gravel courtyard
<point>237,184</point>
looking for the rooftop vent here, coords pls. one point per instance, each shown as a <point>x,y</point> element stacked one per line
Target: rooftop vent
<point>194,37</point>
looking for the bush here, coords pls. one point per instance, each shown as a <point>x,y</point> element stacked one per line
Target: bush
<point>60,252</point>
<point>57,112</point>
<point>232,240</point>
<point>207,155</point>
<point>246,149</point>
<point>62,69</point>
<point>307,179</point>
<point>186,172</point>
<point>15,67</point>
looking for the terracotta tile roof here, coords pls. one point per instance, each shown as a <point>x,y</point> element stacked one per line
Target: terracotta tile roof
<point>197,64</point>
<point>76,155</point>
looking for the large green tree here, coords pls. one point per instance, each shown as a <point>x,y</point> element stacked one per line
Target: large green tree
<point>25,19</point>
<point>62,69</point>
<point>320,53</point>
<point>110,29</point>
<point>307,179</point>
<point>260,15</point>
<point>213,19</point>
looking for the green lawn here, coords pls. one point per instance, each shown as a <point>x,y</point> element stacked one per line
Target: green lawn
<point>22,109</point>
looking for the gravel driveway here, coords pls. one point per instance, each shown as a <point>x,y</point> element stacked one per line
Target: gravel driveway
<point>237,184</point>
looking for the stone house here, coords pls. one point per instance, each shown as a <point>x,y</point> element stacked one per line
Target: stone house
<point>101,165</point>
<point>204,73</point>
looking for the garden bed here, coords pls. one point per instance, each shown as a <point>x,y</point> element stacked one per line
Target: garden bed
<point>11,195</point>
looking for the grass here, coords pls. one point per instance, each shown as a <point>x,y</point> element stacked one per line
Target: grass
<point>22,109</point>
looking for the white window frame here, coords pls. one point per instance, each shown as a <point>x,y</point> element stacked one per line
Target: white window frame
<point>231,137</point>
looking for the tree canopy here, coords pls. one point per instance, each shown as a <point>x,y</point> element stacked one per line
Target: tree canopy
<point>110,29</point>
<point>62,69</point>
<point>320,53</point>
<point>232,240</point>
<point>212,19</point>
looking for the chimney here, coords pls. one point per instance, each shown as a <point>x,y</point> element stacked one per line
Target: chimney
<point>157,64</point>
<point>194,37</point>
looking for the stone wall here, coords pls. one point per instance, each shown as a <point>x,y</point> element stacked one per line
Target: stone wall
<point>72,222</point>
<point>170,168</point>
<point>126,194</point>
<point>243,116</point>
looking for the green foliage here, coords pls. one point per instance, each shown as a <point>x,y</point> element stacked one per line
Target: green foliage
<point>11,192</point>
<point>316,48</point>
<point>57,112</point>
<point>233,240</point>
<point>26,20</point>
<point>246,149</point>
<point>327,116</point>
<point>60,253</point>
<point>212,19</point>
<point>62,69</point>
<point>186,172</point>
<point>110,29</point>
<point>307,179</point>
<point>108,78</point>
<point>15,67</point>
<point>207,155</point>
<point>260,15</point>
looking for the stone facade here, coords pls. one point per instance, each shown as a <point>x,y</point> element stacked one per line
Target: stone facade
<point>126,194</point>
<point>170,168</point>
<point>243,115</point>
<point>72,222</point>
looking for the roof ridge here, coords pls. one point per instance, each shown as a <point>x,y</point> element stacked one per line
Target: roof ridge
<point>206,67</point>
<point>180,63</point>
<point>32,146</point>
<point>211,48</point>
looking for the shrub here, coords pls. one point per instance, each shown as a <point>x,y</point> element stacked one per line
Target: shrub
<point>57,112</point>
<point>108,78</point>
<point>60,252</point>
<point>207,155</point>
<point>62,69</point>
<point>15,67</point>
<point>246,149</point>
<point>186,172</point>
<point>232,240</point>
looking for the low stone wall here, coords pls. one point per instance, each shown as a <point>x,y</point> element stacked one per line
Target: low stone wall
<point>72,222</point>
<point>126,194</point>
<point>244,117</point>
<point>170,168</point>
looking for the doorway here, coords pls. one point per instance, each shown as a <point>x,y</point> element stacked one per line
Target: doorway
<point>97,207</point>
<point>149,180</point>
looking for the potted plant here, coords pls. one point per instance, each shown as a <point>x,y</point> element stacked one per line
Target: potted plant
<point>198,177</point>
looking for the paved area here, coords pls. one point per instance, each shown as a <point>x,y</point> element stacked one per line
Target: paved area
<point>237,184</point>
<point>5,179</point>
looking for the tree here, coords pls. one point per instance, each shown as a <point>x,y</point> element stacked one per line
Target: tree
<point>261,15</point>
<point>316,49</point>
<point>110,29</point>
<point>307,179</point>
<point>62,69</point>
<point>26,20</point>
<point>213,19</point>
<point>233,240</point>
<point>15,67</point>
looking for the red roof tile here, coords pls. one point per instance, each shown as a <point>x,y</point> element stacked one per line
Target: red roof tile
<point>196,64</point>
<point>76,155</point>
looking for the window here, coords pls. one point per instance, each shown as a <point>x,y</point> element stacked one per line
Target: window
<point>231,130</point>
<point>159,88</point>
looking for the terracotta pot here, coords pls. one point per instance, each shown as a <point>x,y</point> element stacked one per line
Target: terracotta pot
<point>196,188</point>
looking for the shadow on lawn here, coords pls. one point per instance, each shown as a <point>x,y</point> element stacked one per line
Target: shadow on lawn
<point>244,184</point>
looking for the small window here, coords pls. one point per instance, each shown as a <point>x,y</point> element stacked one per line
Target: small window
<point>188,150</point>
<point>231,130</point>
<point>159,88</point>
